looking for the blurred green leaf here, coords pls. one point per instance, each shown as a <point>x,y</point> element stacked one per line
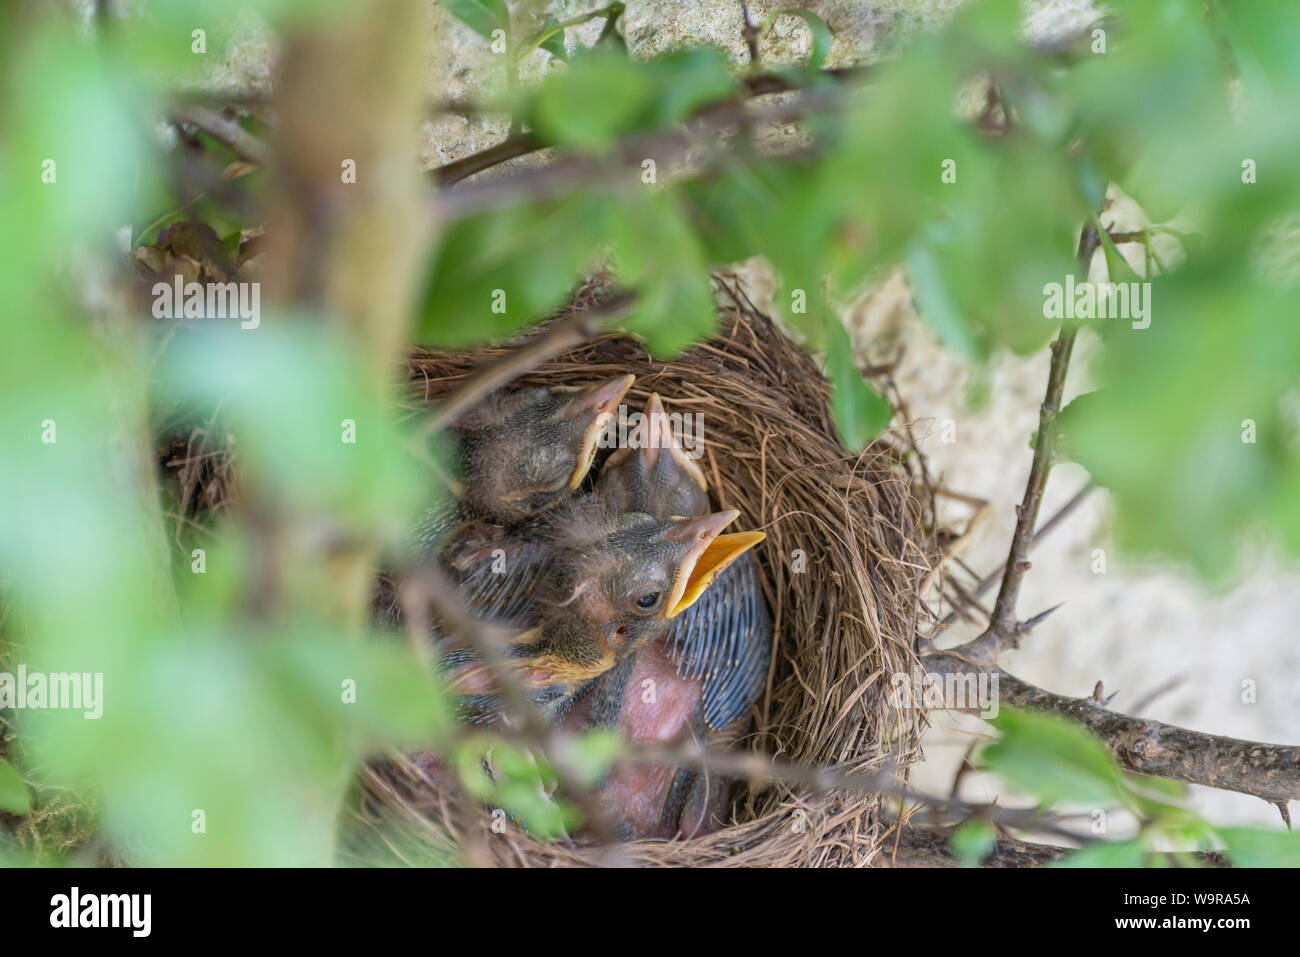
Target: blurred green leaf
<point>481,16</point>
<point>656,254</point>
<point>1260,847</point>
<point>860,412</point>
<point>604,94</point>
<point>1189,429</point>
<point>1052,758</point>
<point>494,274</point>
<point>1106,854</point>
<point>14,796</point>
<point>818,28</point>
<point>593,753</point>
<point>972,841</point>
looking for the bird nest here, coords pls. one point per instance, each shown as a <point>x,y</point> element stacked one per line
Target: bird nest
<point>849,541</point>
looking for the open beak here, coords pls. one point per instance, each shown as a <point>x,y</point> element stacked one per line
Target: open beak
<point>662,437</point>
<point>710,554</point>
<point>599,402</point>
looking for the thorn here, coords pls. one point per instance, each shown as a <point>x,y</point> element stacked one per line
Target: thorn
<point>1026,626</point>
<point>1099,693</point>
<point>1109,699</point>
<point>1286,813</point>
<point>750,34</point>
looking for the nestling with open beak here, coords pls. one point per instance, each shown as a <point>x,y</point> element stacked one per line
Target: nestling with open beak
<point>701,677</point>
<point>615,582</point>
<point>523,452</point>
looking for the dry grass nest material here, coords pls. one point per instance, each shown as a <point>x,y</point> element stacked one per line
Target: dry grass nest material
<point>849,541</point>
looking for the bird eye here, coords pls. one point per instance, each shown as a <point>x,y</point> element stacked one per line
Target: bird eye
<point>648,601</point>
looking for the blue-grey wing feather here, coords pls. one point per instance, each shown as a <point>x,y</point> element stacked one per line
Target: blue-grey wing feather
<point>725,639</point>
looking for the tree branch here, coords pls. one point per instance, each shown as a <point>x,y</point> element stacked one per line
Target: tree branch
<point>1267,771</point>
<point>667,145</point>
<point>225,131</point>
<point>517,144</point>
<point>1004,630</point>
<point>521,144</point>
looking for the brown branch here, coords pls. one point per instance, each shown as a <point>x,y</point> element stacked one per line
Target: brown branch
<point>521,144</point>
<point>1267,771</point>
<point>226,131</point>
<point>583,170</point>
<point>1003,630</point>
<point>750,34</point>
<point>517,144</point>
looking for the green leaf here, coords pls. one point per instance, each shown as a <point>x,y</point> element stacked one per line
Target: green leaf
<point>1189,430</point>
<point>481,16</point>
<point>1260,847</point>
<point>593,753</point>
<point>604,94</point>
<point>14,796</point>
<point>1107,854</point>
<point>553,44</point>
<point>600,96</point>
<point>860,412</point>
<point>972,841</point>
<point>1053,758</point>
<point>822,37</point>
<point>496,273</point>
<point>657,254</point>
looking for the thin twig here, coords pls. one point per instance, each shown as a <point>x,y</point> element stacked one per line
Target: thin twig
<point>582,170</point>
<point>750,34</point>
<point>518,144</point>
<point>993,577</point>
<point>1003,631</point>
<point>226,131</point>
<point>561,337</point>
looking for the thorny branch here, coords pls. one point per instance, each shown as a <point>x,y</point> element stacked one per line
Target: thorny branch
<point>1267,771</point>
<point>226,131</point>
<point>1004,630</point>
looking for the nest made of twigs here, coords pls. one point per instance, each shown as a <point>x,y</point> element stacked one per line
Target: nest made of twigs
<point>848,544</point>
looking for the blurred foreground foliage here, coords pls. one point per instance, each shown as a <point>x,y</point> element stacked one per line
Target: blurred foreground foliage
<point>250,691</point>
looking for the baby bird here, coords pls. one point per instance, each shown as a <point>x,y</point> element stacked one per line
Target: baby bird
<point>701,678</point>
<point>615,582</point>
<point>521,454</point>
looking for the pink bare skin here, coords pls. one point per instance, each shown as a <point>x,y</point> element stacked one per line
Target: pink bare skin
<point>659,706</point>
